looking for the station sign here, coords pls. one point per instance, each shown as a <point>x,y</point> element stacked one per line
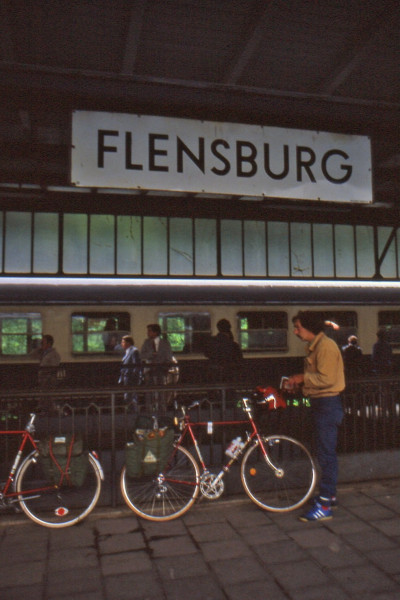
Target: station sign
<point>114,150</point>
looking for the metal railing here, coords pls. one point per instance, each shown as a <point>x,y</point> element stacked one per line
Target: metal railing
<point>107,419</point>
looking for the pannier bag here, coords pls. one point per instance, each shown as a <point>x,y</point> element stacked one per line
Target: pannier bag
<point>64,459</point>
<point>148,452</point>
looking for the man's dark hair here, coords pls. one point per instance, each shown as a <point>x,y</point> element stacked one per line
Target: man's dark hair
<point>155,327</point>
<point>224,326</point>
<point>49,339</point>
<point>310,320</point>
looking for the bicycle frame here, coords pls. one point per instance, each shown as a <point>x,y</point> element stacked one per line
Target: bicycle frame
<point>187,429</point>
<point>26,434</point>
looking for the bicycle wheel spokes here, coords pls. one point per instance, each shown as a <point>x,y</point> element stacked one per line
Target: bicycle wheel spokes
<point>165,496</point>
<point>52,507</point>
<point>284,484</point>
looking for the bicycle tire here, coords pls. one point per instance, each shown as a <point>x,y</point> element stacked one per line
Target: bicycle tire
<point>284,490</point>
<point>165,496</point>
<point>56,507</point>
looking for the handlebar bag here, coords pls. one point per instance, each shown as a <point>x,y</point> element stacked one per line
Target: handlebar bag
<point>64,459</point>
<point>148,452</point>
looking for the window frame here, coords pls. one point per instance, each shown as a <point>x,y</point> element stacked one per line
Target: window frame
<point>123,327</point>
<point>267,318</point>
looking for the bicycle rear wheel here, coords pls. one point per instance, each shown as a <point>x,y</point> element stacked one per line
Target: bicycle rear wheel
<point>287,482</point>
<point>56,507</point>
<point>165,496</point>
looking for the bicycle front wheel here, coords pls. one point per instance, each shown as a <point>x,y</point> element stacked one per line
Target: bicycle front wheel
<point>53,506</point>
<point>165,496</point>
<point>280,479</point>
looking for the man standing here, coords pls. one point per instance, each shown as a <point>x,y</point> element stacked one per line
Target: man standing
<point>130,367</point>
<point>50,360</point>
<point>157,353</point>
<point>322,381</point>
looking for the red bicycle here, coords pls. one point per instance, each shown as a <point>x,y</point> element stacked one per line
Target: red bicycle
<point>277,472</point>
<point>48,502</point>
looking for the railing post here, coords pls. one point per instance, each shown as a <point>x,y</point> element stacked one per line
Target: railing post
<point>113,455</point>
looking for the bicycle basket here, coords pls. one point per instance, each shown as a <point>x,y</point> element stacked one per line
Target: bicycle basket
<point>148,452</point>
<point>64,459</point>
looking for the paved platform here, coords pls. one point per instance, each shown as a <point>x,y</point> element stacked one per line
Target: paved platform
<point>223,550</point>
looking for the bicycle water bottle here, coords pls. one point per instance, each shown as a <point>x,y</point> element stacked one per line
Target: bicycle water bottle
<point>234,447</point>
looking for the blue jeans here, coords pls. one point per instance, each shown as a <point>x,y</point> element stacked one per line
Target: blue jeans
<point>327,414</point>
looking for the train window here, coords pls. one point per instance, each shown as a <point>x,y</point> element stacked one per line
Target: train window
<point>263,330</point>
<point>98,332</point>
<point>346,321</point>
<point>20,333</point>
<point>390,321</point>
<point>186,331</point>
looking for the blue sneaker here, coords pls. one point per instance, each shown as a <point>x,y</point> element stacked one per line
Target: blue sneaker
<point>317,513</point>
<point>315,499</point>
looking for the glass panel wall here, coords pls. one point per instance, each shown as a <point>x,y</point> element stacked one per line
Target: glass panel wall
<point>75,246</point>
<point>128,245</point>
<point>45,243</point>
<point>18,242</point>
<point>180,246</point>
<point>231,248</point>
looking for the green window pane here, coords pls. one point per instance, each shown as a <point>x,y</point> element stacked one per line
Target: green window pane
<point>77,343</point>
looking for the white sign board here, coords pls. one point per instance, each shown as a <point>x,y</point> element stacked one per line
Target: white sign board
<point>112,150</point>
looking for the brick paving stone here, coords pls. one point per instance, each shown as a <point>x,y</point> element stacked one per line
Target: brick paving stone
<point>33,592</point>
<point>262,534</point>
<point>372,513</point>
<point>18,574</point>
<point>133,586</point>
<point>325,592</point>
<point>314,535</point>
<point>167,529</point>
<point>72,537</point>
<point>354,499</point>
<point>359,580</point>
<point>218,550</point>
<point>24,552</point>
<point>349,525</point>
<point>283,551</point>
<point>211,532</point>
<point>193,588</point>
<point>65,560</point>
<point>255,590</point>
<point>180,567</point>
<point>387,560</point>
<point>125,562</point>
<point>238,570</point>
<point>226,550</point>
<point>248,516</point>
<point>118,525</point>
<point>390,527</point>
<point>337,556</point>
<point>97,595</point>
<point>73,582</point>
<point>299,575</point>
<point>381,596</point>
<point>175,546</point>
<point>392,501</point>
<point>363,540</point>
<point>121,542</point>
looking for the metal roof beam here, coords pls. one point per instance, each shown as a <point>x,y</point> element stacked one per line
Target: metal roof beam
<point>133,37</point>
<point>238,66</point>
<point>364,40</point>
